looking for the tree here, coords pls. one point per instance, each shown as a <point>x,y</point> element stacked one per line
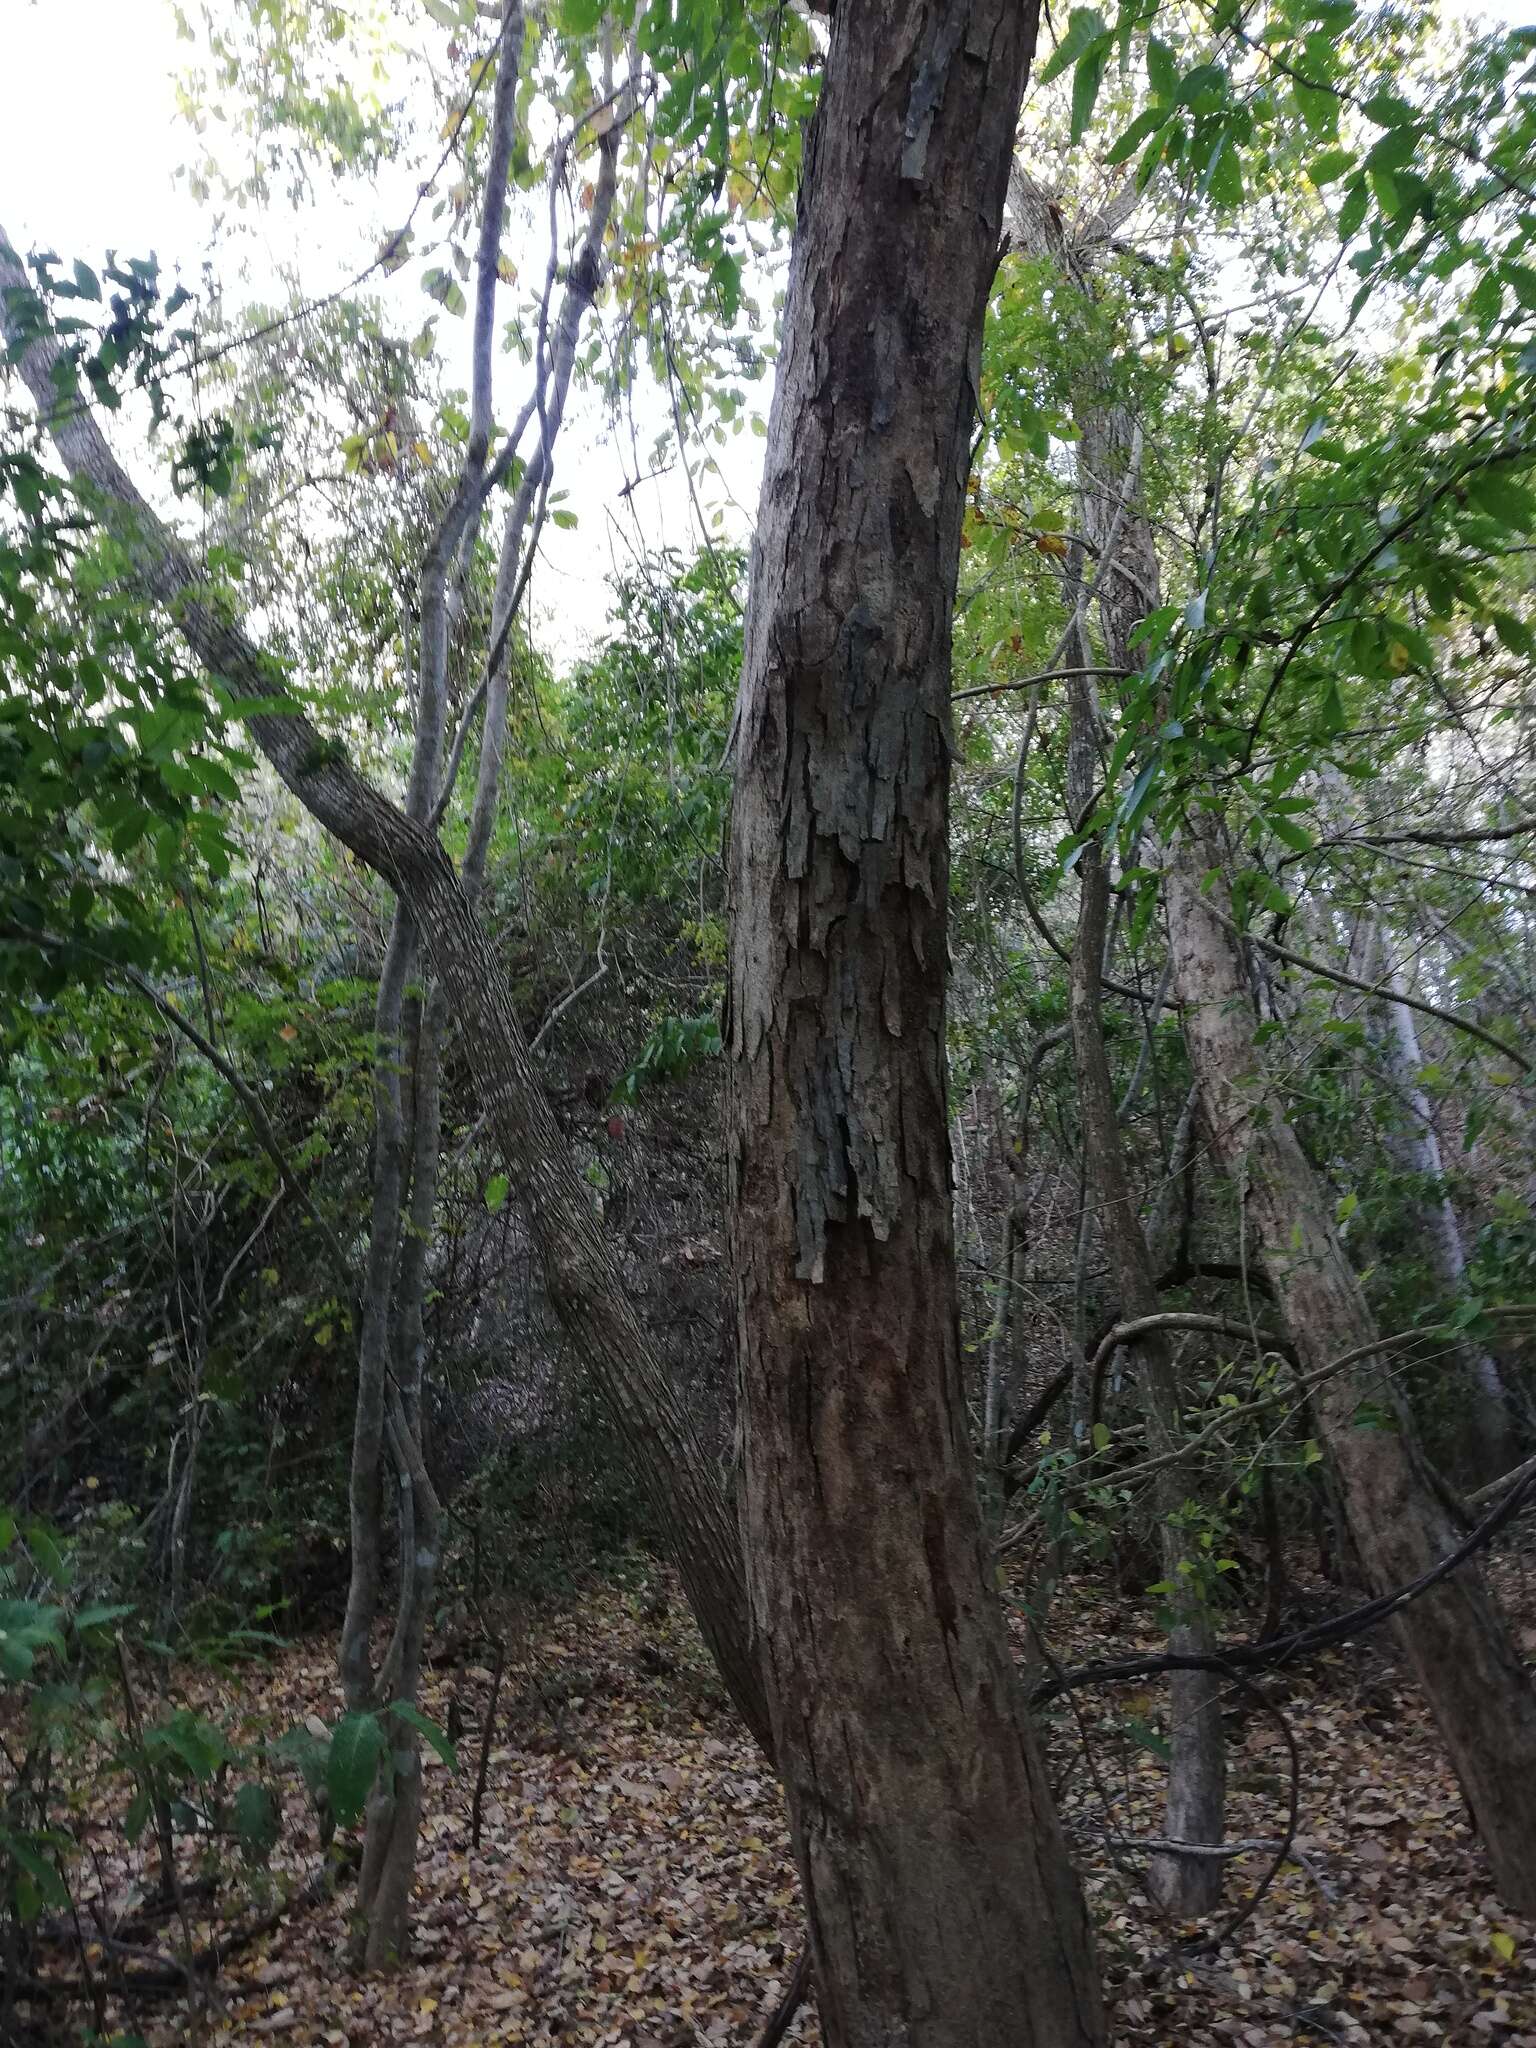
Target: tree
<point>942,1907</point>
<point>1115,573</point>
<point>1238,701</point>
<point>583,1283</point>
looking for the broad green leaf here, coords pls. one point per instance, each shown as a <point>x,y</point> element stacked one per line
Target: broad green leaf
<point>1085,87</point>
<point>1162,71</point>
<point>1328,168</point>
<point>1085,25</point>
<point>357,1744</point>
<point>428,1729</point>
<point>257,1822</point>
<point>1495,492</point>
<point>1352,212</point>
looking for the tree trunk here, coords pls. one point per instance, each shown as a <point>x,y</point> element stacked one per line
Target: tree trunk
<point>1488,1433</point>
<point>941,1904</point>
<point>1455,1637</point>
<point>1197,1772</point>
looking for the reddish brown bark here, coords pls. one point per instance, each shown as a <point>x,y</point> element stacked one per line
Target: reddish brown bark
<point>941,1903</point>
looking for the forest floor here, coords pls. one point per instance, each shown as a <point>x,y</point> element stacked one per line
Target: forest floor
<point>633,1887</point>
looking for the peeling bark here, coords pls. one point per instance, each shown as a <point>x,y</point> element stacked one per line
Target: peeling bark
<point>942,1907</point>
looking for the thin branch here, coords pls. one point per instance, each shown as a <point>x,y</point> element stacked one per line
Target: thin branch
<point>1048,675</point>
<point>1379,990</point>
<point>1303,1642</point>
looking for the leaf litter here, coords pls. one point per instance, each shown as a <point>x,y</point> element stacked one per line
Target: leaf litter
<point>634,1886</point>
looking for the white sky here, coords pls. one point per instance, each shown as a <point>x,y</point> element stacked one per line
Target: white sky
<point>90,142</point>
<point>89,145</point>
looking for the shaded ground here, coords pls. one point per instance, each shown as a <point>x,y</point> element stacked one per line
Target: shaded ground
<point>633,1885</point>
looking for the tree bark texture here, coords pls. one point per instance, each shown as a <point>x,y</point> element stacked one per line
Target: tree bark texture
<point>1120,581</point>
<point>1488,1433</point>
<point>1455,1637</point>
<point>941,1903</point>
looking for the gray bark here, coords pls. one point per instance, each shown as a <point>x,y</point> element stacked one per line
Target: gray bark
<point>1489,1432</point>
<point>1455,1637</point>
<point>1122,586</point>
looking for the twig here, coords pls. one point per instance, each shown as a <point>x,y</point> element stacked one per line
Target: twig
<point>1048,675</point>
<point>789,2004</point>
<point>486,1733</point>
<point>1380,990</point>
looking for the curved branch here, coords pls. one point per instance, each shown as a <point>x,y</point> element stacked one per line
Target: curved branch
<point>1302,1642</point>
<point>1380,990</point>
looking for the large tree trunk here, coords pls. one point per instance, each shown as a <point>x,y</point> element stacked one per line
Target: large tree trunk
<point>942,1906</point>
<point>1455,1638</point>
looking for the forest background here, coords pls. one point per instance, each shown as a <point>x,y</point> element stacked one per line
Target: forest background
<point>373,1260</point>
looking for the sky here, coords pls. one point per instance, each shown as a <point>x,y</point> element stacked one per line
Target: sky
<point>90,142</point>
<point>90,145</point>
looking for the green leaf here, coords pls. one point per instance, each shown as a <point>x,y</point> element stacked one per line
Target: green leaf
<point>1203,88</point>
<point>257,1823</point>
<point>357,1744</point>
<point>100,1616</point>
<point>496,1192</point>
<point>1485,300</point>
<point>1162,71</point>
<point>1319,110</point>
<point>1085,87</point>
<point>1223,178</point>
<point>1394,151</point>
<point>46,1554</point>
<point>443,286</point>
<point>51,1888</point>
<point>1084,26</point>
<point>1328,168</point>
<point>428,1730</point>
<point>1352,212</point>
<point>1387,110</point>
<point>1290,834</point>
<point>1495,492</point>
<point>1146,123</point>
<point>1146,1737</point>
<point>197,1743</point>
<point>1514,633</point>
